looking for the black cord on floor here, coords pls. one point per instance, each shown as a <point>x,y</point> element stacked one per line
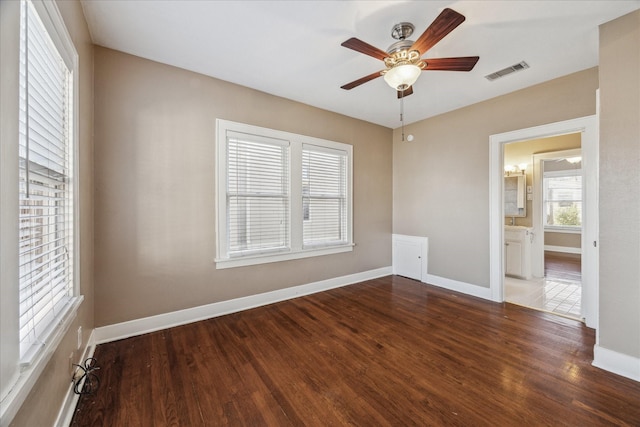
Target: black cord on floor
<point>88,382</point>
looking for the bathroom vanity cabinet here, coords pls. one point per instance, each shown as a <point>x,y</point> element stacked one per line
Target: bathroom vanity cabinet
<point>518,241</point>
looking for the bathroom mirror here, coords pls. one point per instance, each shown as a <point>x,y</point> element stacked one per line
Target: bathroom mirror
<point>515,197</point>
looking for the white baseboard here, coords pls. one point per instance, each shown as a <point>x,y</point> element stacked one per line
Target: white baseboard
<point>65,415</point>
<point>563,249</point>
<point>167,320</point>
<point>618,363</point>
<point>462,287</point>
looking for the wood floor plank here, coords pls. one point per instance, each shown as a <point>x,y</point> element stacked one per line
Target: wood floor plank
<point>562,266</point>
<point>389,351</point>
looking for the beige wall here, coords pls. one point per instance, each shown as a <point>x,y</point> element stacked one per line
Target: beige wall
<point>620,185</point>
<point>569,240</point>
<point>441,179</point>
<point>154,200</point>
<point>42,405</point>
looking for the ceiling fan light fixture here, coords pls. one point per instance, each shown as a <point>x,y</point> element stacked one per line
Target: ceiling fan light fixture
<point>402,76</point>
<point>402,59</point>
<point>574,160</point>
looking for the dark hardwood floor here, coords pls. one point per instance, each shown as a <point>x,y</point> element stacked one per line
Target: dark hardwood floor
<point>562,266</point>
<point>389,351</point>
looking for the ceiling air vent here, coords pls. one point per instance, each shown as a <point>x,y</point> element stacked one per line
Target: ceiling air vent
<point>512,69</point>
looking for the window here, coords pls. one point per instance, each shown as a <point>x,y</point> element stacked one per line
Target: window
<point>563,199</point>
<point>324,196</point>
<point>257,194</point>
<point>45,184</point>
<point>280,196</point>
<point>39,272</point>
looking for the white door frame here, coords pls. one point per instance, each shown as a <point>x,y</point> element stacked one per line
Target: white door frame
<point>588,127</point>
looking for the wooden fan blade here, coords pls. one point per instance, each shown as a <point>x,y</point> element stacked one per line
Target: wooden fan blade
<point>361,80</point>
<point>408,91</point>
<point>446,22</point>
<point>465,63</point>
<point>366,48</point>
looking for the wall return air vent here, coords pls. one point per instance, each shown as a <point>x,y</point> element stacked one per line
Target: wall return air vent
<point>512,69</point>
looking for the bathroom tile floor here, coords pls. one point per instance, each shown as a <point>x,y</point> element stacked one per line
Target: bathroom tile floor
<point>559,292</point>
<point>557,296</point>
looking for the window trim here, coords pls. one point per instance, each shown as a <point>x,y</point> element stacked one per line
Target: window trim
<point>562,229</point>
<point>297,251</point>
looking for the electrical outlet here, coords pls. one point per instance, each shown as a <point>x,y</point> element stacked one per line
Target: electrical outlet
<point>79,337</point>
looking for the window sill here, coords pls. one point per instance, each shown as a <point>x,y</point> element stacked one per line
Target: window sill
<point>264,259</point>
<point>30,373</point>
<point>563,230</point>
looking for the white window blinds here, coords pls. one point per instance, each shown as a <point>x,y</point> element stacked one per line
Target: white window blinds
<point>257,194</point>
<point>324,196</point>
<point>46,202</point>
<point>280,196</point>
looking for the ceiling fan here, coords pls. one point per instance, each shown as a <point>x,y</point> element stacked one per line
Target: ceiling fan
<point>403,58</point>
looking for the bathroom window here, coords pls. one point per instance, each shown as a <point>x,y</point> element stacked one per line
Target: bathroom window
<point>562,192</point>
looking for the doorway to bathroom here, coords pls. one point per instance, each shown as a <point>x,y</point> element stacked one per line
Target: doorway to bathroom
<point>587,130</point>
<point>543,224</point>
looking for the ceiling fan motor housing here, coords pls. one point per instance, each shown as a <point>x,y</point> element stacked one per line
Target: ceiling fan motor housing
<point>402,30</point>
<point>400,52</point>
<point>404,56</point>
<point>400,45</point>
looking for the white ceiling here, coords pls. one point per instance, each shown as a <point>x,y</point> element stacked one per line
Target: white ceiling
<point>292,48</point>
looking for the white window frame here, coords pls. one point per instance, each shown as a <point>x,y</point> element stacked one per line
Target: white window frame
<point>296,248</point>
<point>568,229</point>
<point>279,190</point>
<point>326,190</point>
<point>20,375</point>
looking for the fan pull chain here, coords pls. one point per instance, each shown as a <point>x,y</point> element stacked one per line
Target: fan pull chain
<point>402,113</point>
